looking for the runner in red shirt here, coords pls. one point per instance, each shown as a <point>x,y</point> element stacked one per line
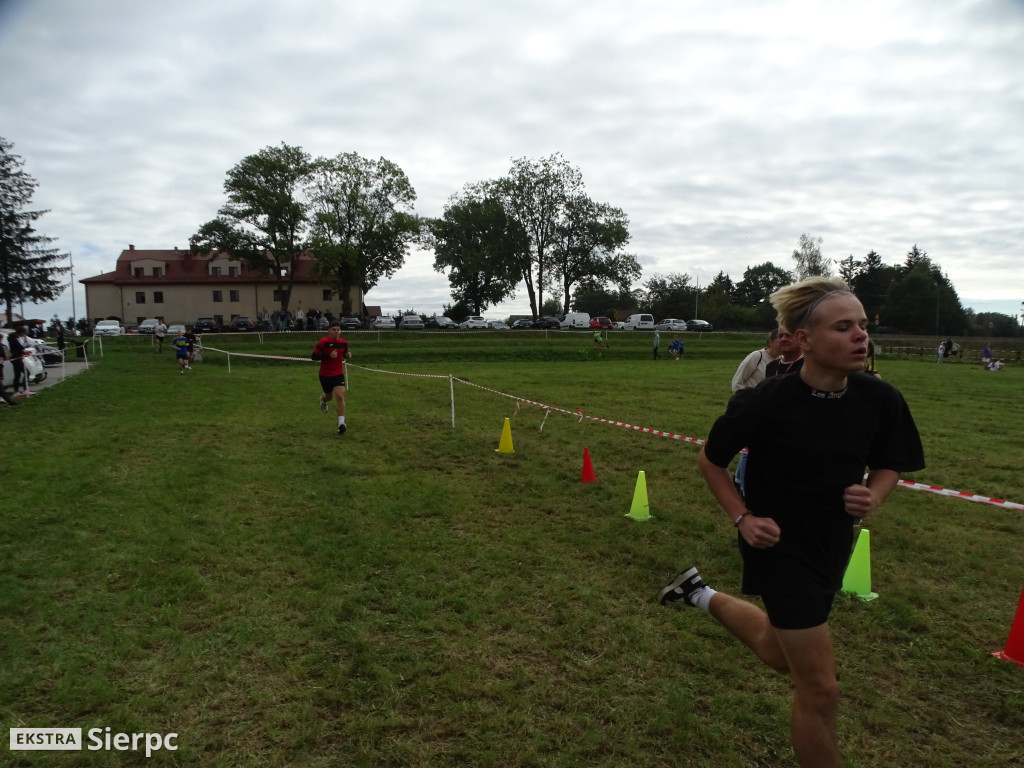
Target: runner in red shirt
<point>332,351</point>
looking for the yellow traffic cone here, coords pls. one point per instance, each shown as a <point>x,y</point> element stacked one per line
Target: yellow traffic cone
<point>858,570</point>
<point>640,510</point>
<point>505,446</point>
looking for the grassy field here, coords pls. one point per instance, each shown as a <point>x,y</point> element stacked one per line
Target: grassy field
<point>202,554</point>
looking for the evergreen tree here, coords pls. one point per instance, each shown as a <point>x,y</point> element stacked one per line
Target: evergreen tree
<point>28,265</point>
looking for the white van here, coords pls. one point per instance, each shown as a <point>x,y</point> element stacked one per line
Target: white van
<point>639,321</point>
<point>576,320</point>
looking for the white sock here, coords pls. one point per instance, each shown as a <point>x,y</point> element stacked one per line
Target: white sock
<point>702,597</point>
<point>341,420</point>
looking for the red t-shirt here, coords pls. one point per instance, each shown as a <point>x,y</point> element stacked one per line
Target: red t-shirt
<point>331,354</point>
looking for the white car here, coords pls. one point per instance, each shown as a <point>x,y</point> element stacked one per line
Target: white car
<point>383,323</point>
<point>411,323</point>
<point>497,325</point>
<point>108,328</point>
<point>148,326</point>
<point>473,321</point>
<point>670,324</point>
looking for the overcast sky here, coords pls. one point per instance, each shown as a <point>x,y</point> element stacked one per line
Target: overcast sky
<point>723,129</point>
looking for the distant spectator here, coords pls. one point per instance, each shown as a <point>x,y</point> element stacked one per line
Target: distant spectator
<point>869,362</point>
<point>18,342</point>
<point>792,359</point>
<point>676,348</point>
<point>657,344</point>
<point>986,354</point>
<point>750,372</point>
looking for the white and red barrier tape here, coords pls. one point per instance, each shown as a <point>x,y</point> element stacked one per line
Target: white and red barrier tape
<point>648,430</point>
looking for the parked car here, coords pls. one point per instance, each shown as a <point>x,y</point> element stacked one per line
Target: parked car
<point>148,326</point>
<point>619,325</point>
<point>131,329</point>
<point>497,325</point>
<point>175,330</point>
<point>547,322</point>
<point>350,323</point>
<point>473,321</point>
<point>670,324</point>
<point>576,320</point>
<point>642,321</point>
<point>384,323</point>
<point>524,322</point>
<point>598,323</point>
<point>206,325</point>
<point>411,323</point>
<point>242,323</point>
<point>698,325</point>
<point>108,328</point>
<point>441,322</point>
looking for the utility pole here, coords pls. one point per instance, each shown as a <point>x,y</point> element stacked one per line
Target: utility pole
<point>74,314</point>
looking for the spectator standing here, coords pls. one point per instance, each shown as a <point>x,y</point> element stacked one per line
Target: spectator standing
<point>657,344</point>
<point>18,342</point>
<point>751,371</point>
<point>3,390</point>
<point>791,359</point>
<point>986,354</point>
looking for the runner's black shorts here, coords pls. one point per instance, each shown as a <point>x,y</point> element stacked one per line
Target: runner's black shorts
<point>328,383</point>
<point>797,611</point>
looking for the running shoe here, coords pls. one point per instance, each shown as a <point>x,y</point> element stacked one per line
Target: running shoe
<point>323,405</point>
<point>678,592</point>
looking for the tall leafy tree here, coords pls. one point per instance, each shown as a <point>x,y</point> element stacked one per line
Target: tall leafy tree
<point>588,239</point>
<point>481,247</point>
<point>363,221</point>
<point>871,284</point>
<point>535,193</point>
<point>264,221</point>
<point>809,259</point>
<point>671,295</point>
<point>921,298</point>
<point>759,282</point>
<point>29,267</point>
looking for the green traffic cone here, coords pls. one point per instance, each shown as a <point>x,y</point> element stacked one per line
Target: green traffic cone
<point>858,571</point>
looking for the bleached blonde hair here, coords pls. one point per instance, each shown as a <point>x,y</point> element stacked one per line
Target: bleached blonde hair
<point>795,304</point>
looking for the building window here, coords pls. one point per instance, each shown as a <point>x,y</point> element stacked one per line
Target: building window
<point>158,272</point>
<point>218,296</point>
<point>139,272</point>
<point>158,297</point>
<point>215,271</point>
<point>327,294</point>
<point>140,297</point>
<point>233,271</point>
<point>234,295</point>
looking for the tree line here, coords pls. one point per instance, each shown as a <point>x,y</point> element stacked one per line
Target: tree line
<point>535,228</point>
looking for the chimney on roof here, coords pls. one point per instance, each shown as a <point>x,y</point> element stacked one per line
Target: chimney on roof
<point>131,247</point>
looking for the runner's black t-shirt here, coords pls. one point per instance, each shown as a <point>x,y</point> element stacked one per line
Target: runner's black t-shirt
<point>805,448</point>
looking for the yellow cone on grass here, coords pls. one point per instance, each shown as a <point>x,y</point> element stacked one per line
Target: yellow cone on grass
<point>640,510</point>
<point>858,571</point>
<point>505,446</point>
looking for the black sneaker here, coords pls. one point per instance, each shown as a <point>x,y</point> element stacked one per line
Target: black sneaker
<point>341,429</point>
<point>678,592</point>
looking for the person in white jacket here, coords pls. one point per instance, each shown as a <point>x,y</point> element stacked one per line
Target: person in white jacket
<point>751,370</point>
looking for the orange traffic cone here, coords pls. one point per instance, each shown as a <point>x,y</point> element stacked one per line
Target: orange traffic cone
<point>1014,650</point>
<point>588,468</point>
